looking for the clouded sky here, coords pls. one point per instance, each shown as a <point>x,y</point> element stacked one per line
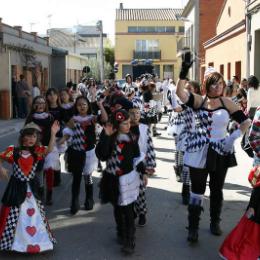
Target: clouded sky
<point>34,15</point>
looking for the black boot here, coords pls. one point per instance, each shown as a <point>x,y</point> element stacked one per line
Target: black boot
<point>215,211</point>
<point>129,241</point>
<point>57,178</point>
<point>74,208</point>
<point>185,194</point>
<point>178,171</point>
<point>119,225</point>
<point>89,202</point>
<point>49,198</point>
<point>193,218</point>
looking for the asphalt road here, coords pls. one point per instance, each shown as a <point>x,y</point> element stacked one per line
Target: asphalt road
<point>91,235</point>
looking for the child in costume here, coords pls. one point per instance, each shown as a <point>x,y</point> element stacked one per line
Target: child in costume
<point>243,243</point>
<point>81,157</point>
<point>55,110</point>
<point>142,135</point>
<point>23,224</point>
<point>120,180</point>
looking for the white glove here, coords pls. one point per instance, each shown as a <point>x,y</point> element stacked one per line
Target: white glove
<point>229,140</point>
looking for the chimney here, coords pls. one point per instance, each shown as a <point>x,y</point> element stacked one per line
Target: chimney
<point>35,36</point>
<point>121,7</point>
<point>19,28</point>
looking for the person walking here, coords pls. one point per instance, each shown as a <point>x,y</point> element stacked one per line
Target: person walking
<point>23,92</point>
<point>209,148</point>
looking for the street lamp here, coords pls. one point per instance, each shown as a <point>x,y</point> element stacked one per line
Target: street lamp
<point>99,27</point>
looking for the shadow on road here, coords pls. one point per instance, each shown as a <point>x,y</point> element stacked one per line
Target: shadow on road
<point>91,234</point>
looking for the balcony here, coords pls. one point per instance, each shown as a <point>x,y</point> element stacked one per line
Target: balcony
<point>147,55</point>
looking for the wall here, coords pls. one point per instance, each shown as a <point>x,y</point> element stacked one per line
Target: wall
<point>229,51</point>
<point>74,66</point>
<point>255,52</point>
<point>237,14</point>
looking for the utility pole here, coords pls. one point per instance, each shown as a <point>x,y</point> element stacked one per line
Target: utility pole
<point>99,27</point>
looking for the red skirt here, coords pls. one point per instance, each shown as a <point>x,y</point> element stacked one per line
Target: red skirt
<point>243,243</point>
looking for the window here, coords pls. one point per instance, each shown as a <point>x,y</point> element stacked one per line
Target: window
<point>147,45</point>
<point>170,29</point>
<point>152,29</point>
<point>238,69</point>
<point>181,29</point>
<point>221,69</point>
<point>229,71</point>
<point>132,29</point>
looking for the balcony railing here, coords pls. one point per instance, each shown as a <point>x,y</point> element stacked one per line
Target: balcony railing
<point>147,55</point>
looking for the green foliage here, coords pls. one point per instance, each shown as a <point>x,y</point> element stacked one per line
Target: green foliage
<point>109,54</point>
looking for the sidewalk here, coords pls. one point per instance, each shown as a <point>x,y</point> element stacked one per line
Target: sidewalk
<point>10,126</point>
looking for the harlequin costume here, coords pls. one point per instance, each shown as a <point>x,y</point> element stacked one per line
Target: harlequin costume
<point>243,242</point>
<point>120,180</point>
<point>142,135</point>
<point>23,224</point>
<point>81,158</point>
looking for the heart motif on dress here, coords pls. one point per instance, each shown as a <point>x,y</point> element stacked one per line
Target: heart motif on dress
<point>121,146</point>
<point>30,212</point>
<point>29,195</point>
<point>31,231</point>
<point>25,164</point>
<point>120,157</point>
<point>33,249</point>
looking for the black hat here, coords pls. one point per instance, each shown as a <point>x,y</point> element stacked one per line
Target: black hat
<point>123,101</point>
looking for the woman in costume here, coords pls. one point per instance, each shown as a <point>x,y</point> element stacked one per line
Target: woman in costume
<point>209,148</point>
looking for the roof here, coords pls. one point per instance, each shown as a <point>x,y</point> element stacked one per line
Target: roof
<point>166,14</point>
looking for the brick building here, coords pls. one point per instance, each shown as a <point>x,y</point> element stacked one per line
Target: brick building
<point>200,19</point>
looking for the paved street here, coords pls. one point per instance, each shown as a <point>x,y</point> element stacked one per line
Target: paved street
<point>91,235</point>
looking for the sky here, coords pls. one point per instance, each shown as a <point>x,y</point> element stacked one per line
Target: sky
<point>38,16</point>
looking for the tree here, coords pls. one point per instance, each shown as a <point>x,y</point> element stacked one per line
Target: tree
<point>109,53</point>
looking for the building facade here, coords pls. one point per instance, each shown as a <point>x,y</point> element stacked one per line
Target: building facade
<point>21,53</point>
<point>200,19</point>
<point>146,41</point>
<point>81,40</point>
<point>253,38</point>
<point>226,51</point>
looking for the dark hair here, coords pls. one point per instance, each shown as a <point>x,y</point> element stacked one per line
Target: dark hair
<point>253,82</point>
<point>89,112</point>
<point>196,86</point>
<point>212,79</point>
<point>33,110</point>
<point>68,92</point>
<point>49,92</point>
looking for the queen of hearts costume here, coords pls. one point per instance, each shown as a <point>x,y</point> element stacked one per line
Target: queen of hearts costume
<point>23,224</point>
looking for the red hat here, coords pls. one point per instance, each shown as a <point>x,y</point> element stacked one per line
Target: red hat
<point>254,177</point>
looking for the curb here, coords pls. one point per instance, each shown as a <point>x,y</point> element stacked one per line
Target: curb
<point>11,129</point>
